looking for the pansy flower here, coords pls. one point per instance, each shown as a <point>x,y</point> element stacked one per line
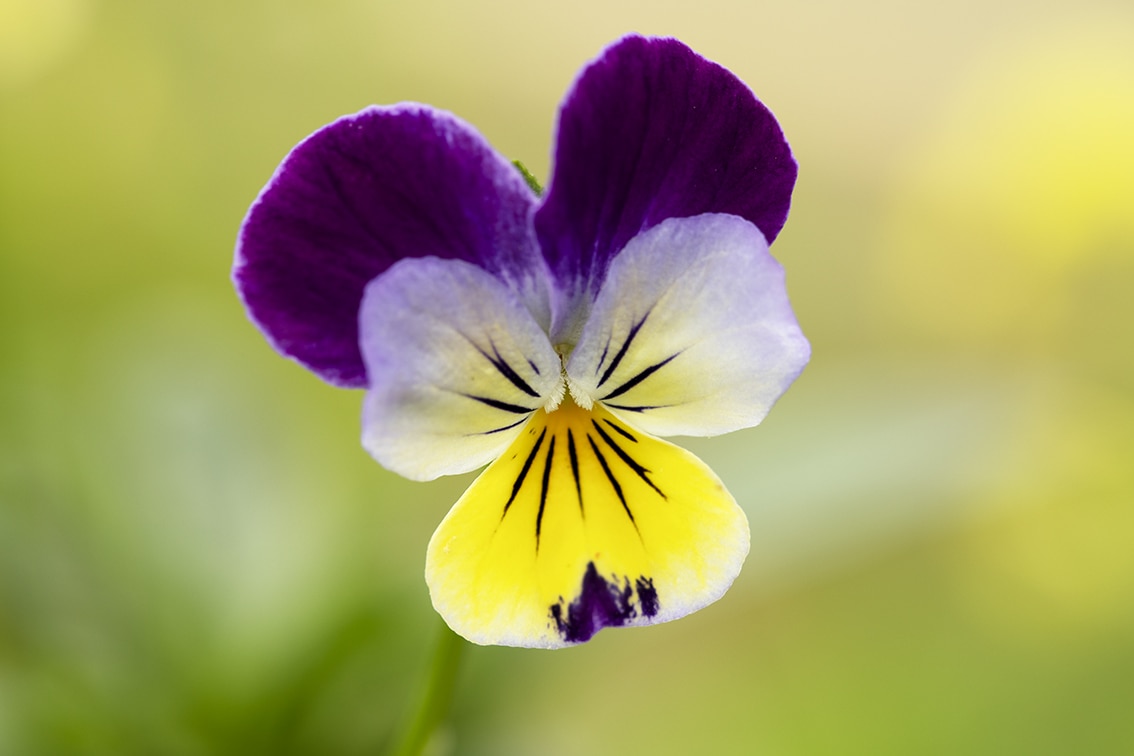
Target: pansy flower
<point>554,337</point>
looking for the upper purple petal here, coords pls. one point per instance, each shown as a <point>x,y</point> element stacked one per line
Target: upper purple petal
<point>354,198</point>
<point>650,131</point>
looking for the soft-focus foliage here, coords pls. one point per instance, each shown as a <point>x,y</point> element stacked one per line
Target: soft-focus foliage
<point>196,556</point>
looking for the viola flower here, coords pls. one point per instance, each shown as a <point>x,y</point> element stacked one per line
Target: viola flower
<point>552,338</point>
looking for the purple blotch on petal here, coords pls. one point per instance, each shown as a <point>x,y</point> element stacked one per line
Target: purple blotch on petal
<point>651,130</point>
<point>602,604</point>
<point>647,596</point>
<point>354,198</point>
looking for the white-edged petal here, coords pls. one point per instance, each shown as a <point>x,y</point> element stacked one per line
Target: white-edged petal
<point>692,332</point>
<point>456,364</point>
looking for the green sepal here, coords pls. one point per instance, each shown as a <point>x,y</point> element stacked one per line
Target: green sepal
<point>531,180</point>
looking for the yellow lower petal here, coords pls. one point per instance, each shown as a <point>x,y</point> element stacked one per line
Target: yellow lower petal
<point>583,523</point>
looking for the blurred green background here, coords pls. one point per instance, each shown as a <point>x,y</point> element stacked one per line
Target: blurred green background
<point>196,556</point>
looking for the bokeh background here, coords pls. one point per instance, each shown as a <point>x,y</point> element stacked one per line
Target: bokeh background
<point>196,556</point>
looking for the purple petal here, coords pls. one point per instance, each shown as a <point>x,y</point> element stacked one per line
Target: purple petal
<point>354,198</point>
<point>650,131</point>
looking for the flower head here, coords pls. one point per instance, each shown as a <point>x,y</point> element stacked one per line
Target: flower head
<point>553,339</point>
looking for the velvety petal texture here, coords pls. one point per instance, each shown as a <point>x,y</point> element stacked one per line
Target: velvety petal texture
<point>692,332</point>
<point>457,363</point>
<point>583,523</point>
<point>355,197</point>
<point>651,130</point>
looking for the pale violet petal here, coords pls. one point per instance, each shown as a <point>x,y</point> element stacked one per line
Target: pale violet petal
<point>456,365</point>
<point>692,332</point>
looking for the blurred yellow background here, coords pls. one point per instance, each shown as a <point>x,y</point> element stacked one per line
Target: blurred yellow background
<point>196,556</point>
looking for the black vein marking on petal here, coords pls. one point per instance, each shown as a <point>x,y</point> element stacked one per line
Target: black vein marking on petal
<point>523,473</point>
<point>602,357</point>
<point>534,366</point>
<point>632,408</point>
<point>638,469</point>
<point>496,403</point>
<point>613,481</point>
<point>501,429</point>
<point>506,370</point>
<point>620,430</point>
<point>642,408</point>
<point>575,469</point>
<point>622,352</point>
<point>543,491</point>
<point>641,376</point>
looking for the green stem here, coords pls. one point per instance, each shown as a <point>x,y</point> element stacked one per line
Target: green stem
<point>433,707</point>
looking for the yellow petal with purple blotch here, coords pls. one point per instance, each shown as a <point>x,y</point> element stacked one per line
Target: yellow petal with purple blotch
<point>583,523</point>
